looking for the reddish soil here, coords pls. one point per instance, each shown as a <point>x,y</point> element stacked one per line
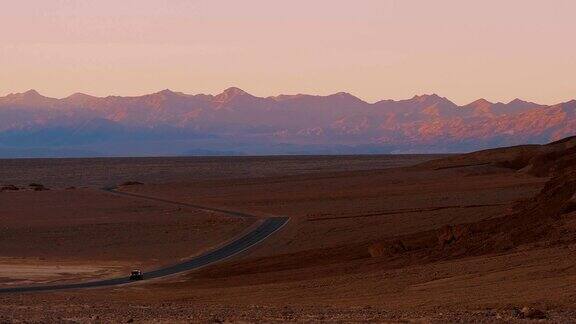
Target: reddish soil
<point>87,233</point>
<point>470,238</point>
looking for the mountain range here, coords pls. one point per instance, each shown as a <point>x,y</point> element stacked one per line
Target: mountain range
<point>235,122</point>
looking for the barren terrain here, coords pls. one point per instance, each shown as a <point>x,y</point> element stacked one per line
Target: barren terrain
<point>485,237</point>
<point>62,235</point>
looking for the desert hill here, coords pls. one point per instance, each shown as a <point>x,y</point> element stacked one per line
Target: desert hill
<point>540,160</point>
<point>546,218</point>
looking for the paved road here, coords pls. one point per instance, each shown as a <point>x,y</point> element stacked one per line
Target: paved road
<point>259,234</point>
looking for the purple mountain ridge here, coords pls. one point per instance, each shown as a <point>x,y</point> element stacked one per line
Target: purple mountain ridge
<point>174,123</point>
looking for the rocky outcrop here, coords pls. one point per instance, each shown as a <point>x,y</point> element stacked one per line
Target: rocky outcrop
<point>380,249</point>
<point>535,219</point>
<point>538,160</point>
<point>452,234</point>
<point>538,219</point>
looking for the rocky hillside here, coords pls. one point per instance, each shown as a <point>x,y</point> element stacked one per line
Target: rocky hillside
<point>548,218</point>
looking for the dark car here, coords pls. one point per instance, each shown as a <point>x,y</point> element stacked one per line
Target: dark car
<point>136,275</point>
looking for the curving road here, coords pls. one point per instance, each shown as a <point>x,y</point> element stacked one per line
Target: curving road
<point>259,234</point>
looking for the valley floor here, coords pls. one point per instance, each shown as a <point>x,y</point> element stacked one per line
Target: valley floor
<point>321,267</point>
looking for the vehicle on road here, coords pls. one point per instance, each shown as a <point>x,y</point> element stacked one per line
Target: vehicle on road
<point>136,275</point>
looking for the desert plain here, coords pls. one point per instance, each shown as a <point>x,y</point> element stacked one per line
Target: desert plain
<point>481,237</point>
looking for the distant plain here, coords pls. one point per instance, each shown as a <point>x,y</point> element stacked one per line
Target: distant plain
<point>101,172</point>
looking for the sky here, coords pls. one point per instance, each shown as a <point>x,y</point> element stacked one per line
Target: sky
<point>374,49</point>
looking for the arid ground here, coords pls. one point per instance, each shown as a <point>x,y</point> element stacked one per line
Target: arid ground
<point>489,237</point>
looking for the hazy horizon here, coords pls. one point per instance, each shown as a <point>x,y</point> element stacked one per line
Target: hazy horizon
<point>377,50</point>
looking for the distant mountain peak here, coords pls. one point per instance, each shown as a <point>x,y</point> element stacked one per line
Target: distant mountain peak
<point>347,95</point>
<point>32,92</point>
<point>28,94</point>
<point>518,101</point>
<point>522,104</point>
<point>483,101</point>
<point>480,103</point>
<point>426,97</point>
<point>79,98</point>
<point>79,95</point>
<point>430,99</point>
<point>166,92</point>
<point>29,98</point>
<point>165,95</point>
<point>234,91</point>
<point>343,94</point>
<point>231,93</point>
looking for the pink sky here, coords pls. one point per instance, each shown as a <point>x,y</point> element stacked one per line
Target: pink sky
<point>374,49</point>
